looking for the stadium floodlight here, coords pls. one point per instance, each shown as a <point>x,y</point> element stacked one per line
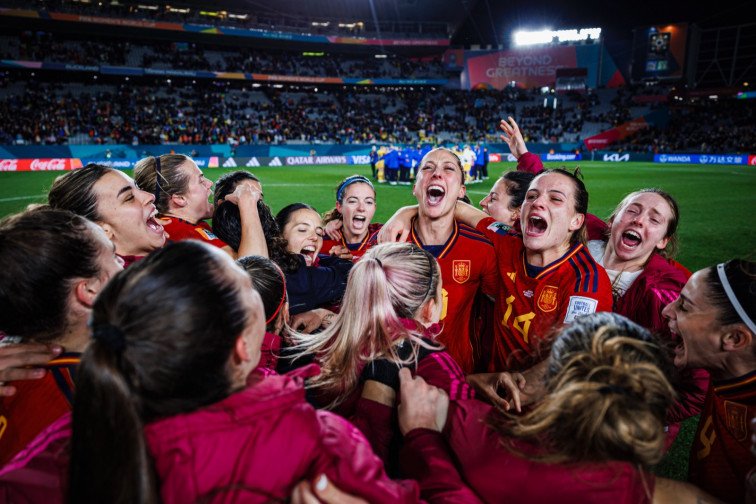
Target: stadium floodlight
<point>547,36</point>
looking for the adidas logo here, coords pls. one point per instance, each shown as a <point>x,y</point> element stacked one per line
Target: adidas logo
<point>276,162</point>
<point>229,163</point>
<point>253,162</point>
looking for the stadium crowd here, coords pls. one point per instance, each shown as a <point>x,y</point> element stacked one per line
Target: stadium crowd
<point>48,47</point>
<point>527,351</point>
<point>205,112</point>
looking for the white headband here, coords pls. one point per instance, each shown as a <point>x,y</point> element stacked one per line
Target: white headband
<point>733,299</point>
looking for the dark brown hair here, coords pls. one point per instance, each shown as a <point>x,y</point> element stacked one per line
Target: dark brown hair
<point>42,252</point>
<point>74,191</point>
<point>163,332</point>
<point>171,179</point>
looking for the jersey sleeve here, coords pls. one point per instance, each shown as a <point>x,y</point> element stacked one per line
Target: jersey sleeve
<point>530,163</point>
<point>441,370</point>
<point>587,290</point>
<point>427,458</point>
<point>495,230</point>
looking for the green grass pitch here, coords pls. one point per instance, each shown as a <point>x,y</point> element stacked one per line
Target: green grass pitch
<point>717,203</point>
<point>717,208</point>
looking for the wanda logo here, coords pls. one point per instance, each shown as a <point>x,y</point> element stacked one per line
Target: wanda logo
<point>47,164</point>
<point>8,164</point>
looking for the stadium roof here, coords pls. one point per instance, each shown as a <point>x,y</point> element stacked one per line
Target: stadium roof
<point>492,21</point>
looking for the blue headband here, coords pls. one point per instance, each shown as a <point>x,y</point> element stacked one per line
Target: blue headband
<point>359,178</point>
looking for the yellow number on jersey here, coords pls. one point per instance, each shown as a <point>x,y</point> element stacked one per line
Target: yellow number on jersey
<point>707,440</point>
<point>523,329</point>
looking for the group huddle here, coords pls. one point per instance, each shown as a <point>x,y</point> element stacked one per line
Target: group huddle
<point>526,352</point>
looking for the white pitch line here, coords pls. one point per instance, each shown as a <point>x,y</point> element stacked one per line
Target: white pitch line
<point>296,185</point>
<point>23,198</point>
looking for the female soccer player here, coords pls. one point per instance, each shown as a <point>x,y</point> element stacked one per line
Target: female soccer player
<point>715,319</point>
<point>466,257</point>
<point>269,281</point>
<point>635,251</point>
<point>312,280</point>
<point>54,265</point>
<point>590,440</point>
<point>182,195</point>
<point>546,276</point>
<point>111,199</point>
<point>351,228</point>
<point>175,389</point>
<point>505,199</point>
<point>388,320</point>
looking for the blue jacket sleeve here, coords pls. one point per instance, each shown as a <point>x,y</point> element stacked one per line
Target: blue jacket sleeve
<point>310,287</point>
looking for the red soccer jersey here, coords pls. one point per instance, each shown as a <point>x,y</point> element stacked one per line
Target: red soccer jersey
<point>468,264</point>
<point>720,456</point>
<point>36,404</point>
<point>529,308</point>
<point>179,229</point>
<point>357,249</point>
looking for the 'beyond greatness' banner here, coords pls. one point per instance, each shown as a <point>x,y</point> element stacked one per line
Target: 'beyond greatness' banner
<point>528,68</point>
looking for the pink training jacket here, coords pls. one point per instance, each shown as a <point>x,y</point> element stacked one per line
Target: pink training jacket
<point>257,444</point>
<point>498,474</point>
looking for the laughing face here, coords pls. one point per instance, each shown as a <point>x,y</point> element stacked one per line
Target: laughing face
<point>549,218</point>
<point>127,215</point>
<point>438,184</point>
<point>496,204</point>
<point>304,234</point>
<point>639,229</point>
<point>357,208</point>
<point>694,319</point>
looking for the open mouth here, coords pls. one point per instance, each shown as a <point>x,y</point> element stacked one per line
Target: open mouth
<point>359,221</point>
<point>309,254</point>
<point>536,226</point>
<point>435,194</point>
<point>631,239</point>
<point>153,224</point>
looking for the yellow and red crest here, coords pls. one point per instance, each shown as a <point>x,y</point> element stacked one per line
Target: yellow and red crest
<point>461,271</point>
<point>547,300</point>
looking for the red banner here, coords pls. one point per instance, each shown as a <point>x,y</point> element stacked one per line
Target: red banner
<point>57,164</point>
<point>605,138</point>
<point>527,67</point>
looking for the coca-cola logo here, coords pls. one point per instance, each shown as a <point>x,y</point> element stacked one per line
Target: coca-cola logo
<point>48,164</point>
<point>8,164</point>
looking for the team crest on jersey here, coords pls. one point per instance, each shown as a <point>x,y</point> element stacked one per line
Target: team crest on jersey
<point>547,301</point>
<point>737,420</point>
<point>206,234</point>
<point>461,271</point>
